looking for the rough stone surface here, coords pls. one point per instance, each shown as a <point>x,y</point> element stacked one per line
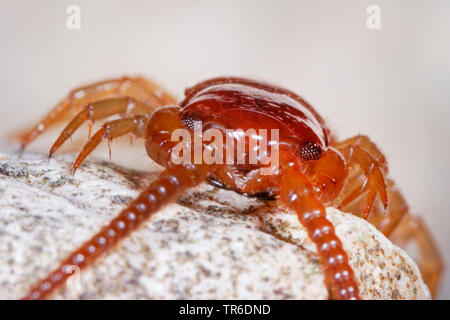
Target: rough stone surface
<point>213,244</point>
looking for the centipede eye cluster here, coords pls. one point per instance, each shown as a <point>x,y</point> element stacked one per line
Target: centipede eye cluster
<point>311,151</point>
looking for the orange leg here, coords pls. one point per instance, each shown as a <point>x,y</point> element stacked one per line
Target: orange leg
<point>138,88</point>
<point>386,222</point>
<point>367,162</point>
<point>405,229</point>
<point>411,229</point>
<point>164,190</point>
<point>111,130</point>
<point>100,110</point>
<point>297,193</point>
<point>365,143</point>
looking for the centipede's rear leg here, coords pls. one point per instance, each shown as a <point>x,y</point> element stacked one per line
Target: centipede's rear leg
<point>412,230</point>
<point>407,230</point>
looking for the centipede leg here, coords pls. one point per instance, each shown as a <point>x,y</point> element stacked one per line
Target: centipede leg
<point>99,110</point>
<point>138,88</point>
<point>164,190</point>
<point>111,130</point>
<point>296,192</point>
<point>412,230</point>
<point>363,155</point>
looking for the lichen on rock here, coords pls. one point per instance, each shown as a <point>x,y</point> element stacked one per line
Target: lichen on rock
<point>212,244</point>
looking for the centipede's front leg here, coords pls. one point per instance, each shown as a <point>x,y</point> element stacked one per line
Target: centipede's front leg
<point>164,190</point>
<point>296,192</point>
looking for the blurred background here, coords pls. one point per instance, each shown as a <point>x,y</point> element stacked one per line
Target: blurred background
<point>391,83</point>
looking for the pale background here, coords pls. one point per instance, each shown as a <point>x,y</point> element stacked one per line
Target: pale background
<point>392,84</point>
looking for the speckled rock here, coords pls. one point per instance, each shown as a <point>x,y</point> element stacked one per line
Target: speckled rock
<point>212,244</point>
